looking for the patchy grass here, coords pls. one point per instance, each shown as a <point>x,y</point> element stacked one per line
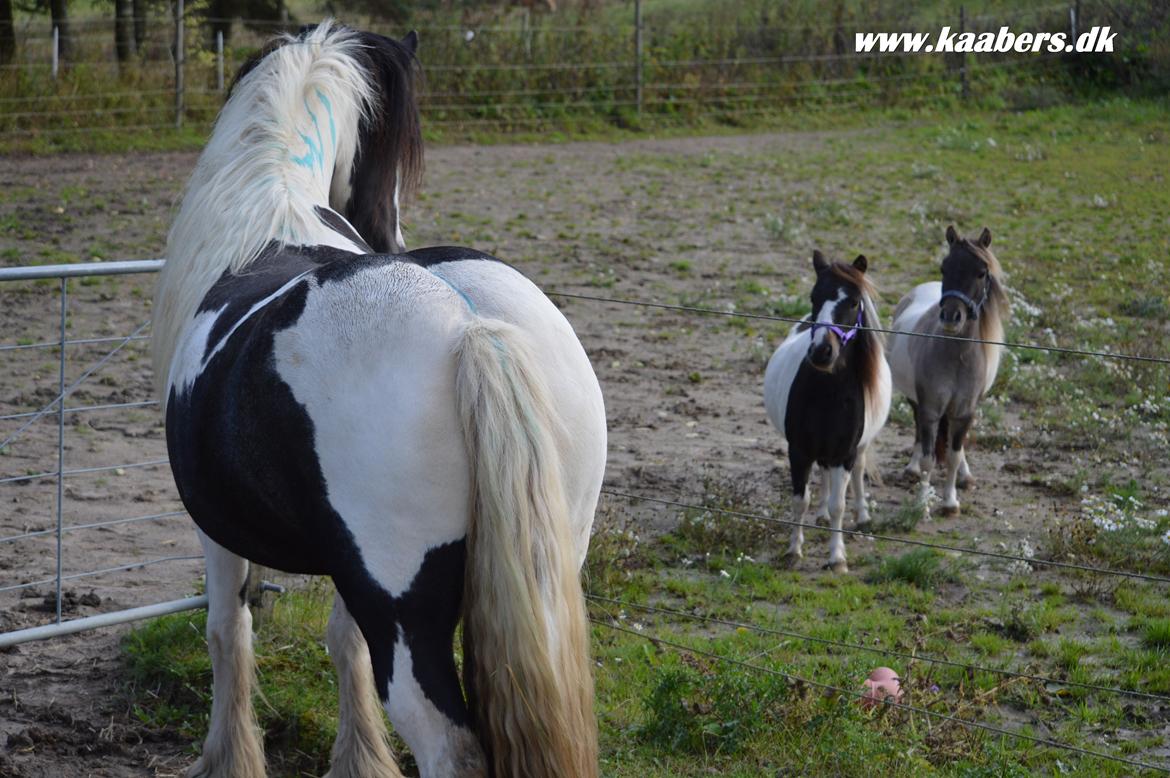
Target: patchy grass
<point>922,567</point>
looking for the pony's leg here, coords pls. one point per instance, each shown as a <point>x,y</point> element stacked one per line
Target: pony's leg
<point>857,477</point>
<point>800,500</point>
<point>822,516</point>
<point>360,750</point>
<point>838,480</point>
<point>927,427</point>
<point>958,429</point>
<point>914,469</point>
<point>233,748</point>
<point>966,480</point>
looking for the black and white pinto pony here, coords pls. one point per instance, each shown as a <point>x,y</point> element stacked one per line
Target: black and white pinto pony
<point>827,390</point>
<point>944,379</point>
<point>423,427</point>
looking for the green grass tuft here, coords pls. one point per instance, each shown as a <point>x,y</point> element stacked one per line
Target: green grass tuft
<point>923,567</point>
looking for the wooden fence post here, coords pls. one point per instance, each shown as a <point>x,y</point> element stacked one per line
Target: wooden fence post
<point>963,56</point>
<point>638,53</point>
<point>180,59</point>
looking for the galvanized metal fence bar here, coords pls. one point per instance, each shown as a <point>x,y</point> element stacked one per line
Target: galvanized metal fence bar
<point>60,626</point>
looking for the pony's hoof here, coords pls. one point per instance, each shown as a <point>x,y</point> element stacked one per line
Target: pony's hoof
<point>791,559</point>
<point>840,566</point>
<point>965,483</point>
<point>949,510</point>
<point>822,520</point>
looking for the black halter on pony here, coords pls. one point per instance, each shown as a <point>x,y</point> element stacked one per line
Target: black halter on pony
<point>973,307</point>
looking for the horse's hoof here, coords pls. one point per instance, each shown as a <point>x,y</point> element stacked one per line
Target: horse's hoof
<point>965,483</point>
<point>949,510</point>
<point>791,559</point>
<point>822,520</point>
<point>840,566</point>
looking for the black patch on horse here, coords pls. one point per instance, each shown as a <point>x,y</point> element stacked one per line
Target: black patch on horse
<point>333,221</point>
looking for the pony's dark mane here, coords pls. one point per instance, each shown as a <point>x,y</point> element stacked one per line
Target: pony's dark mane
<point>869,351</point>
<point>393,136</point>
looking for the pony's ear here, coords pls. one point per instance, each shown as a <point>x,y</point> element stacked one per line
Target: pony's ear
<point>819,261</point>
<point>411,41</point>
<point>861,263</point>
<point>985,238</point>
<point>952,234</point>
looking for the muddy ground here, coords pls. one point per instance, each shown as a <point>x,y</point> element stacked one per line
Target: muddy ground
<point>646,220</point>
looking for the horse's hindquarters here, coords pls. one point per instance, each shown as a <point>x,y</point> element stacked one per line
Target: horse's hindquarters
<point>496,291</point>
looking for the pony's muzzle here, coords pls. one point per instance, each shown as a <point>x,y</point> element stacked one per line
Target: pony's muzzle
<point>951,316</point>
<point>820,355</point>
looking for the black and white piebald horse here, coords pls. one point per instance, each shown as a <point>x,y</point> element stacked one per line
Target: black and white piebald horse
<point>423,427</point>
<point>827,390</point>
<point>944,379</point>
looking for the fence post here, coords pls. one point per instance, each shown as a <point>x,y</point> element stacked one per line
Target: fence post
<point>638,53</point>
<point>61,441</point>
<point>56,51</point>
<point>966,91</point>
<point>219,60</point>
<point>180,57</point>
<point>1072,22</point>
<point>526,25</point>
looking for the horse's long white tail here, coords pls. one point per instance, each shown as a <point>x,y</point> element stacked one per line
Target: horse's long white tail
<point>526,642</point>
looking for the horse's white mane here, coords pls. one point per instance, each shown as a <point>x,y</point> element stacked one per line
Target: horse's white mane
<point>270,160</point>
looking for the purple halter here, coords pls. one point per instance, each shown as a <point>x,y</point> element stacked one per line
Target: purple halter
<point>844,335</point>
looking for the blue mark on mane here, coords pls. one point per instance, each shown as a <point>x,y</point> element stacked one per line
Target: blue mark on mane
<point>315,156</point>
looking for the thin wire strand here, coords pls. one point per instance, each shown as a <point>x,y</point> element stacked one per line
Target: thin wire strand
<point>791,677</point>
<point>78,342</point>
<point>84,470</point>
<point>103,571</point>
<point>876,650</point>
<point>937,336</point>
<point>892,539</point>
<point>86,409</point>
<point>69,390</point>
<point>93,525</point>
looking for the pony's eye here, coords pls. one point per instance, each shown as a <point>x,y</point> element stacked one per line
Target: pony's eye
<point>983,273</point>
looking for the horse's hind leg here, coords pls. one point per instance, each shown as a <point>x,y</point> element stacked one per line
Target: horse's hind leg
<point>838,479</point>
<point>233,748</point>
<point>958,433</point>
<point>800,499</point>
<point>411,642</point>
<point>966,480</point>
<point>360,750</point>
